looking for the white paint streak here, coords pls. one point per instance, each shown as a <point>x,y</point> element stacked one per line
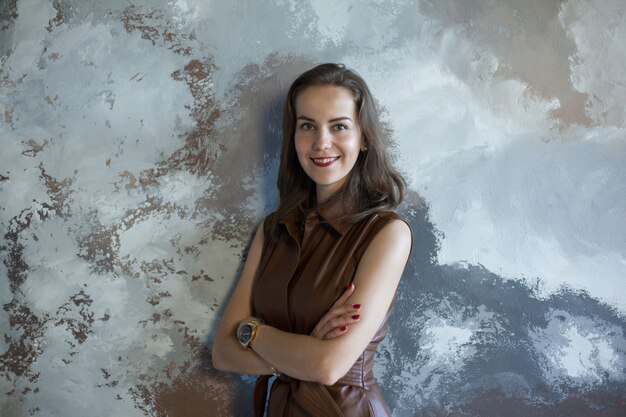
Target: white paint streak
<point>579,351</point>
<point>599,28</point>
<point>450,336</point>
<point>333,19</point>
<point>442,342</point>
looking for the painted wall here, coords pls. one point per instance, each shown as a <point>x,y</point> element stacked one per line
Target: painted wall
<point>138,151</point>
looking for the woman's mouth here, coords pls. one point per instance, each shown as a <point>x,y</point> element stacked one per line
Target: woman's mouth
<point>324,162</point>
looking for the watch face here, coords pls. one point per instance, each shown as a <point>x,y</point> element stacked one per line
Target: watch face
<point>245,333</point>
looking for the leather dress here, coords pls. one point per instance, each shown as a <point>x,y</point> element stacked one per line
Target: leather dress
<point>301,274</point>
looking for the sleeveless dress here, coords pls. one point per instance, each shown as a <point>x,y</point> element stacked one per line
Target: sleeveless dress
<point>301,274</point>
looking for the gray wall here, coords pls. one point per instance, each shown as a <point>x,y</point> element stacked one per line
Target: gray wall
<point>139,149</point>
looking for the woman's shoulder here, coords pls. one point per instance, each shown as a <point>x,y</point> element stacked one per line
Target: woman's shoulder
<point>375,222</point>
<point>396,225</point>
<point>387,216</point>
<point>381,218</point>
<point>388,225</point>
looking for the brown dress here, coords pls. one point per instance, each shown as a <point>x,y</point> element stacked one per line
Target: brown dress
<point>300,276</point>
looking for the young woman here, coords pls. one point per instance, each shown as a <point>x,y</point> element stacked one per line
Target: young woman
<point>317,287</point>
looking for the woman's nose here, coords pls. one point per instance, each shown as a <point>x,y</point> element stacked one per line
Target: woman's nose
<point>322,140</point>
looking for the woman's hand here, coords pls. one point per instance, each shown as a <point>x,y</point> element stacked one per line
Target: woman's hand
<point>335,322</point>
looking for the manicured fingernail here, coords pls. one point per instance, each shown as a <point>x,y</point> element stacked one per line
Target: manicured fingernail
<point>355,317</point>
<point>350,286</point>
<point>356,306</point>
<point>343,328</point>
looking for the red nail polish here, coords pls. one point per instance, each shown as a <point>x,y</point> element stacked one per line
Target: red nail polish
<point>343,328</point>
<point>356,306</point>
<point>355,317</point>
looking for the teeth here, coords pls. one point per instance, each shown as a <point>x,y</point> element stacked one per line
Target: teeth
<point>324,160</point>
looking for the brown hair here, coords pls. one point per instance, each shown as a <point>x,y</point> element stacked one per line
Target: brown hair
<point>372,185</point>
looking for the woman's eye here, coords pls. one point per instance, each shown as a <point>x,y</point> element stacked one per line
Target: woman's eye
<point>340,127</point>
<point>306,126</point>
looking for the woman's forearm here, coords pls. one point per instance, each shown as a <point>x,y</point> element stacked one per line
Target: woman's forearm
<point>229,355</point>
<point>300,356</point>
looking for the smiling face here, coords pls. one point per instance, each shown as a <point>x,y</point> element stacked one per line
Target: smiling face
<point>327,137</point>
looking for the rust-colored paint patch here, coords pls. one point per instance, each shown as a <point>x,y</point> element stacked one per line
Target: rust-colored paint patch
<point>58,191</point>
<point>131,180</point>
<point>52,101</point>
<point>196,393</point>
<point>155,28</point>
<point>24,350</point>
<point>191,388</point>
<point>197,389</point>
<point>33,147</point>
<point>202,276</point>
<point>59,18</point>
<point>101,247</point>
<point>26,341</point>
<point>79,327</point>
<point>507,29</point>
<point>204,150</point>
<point>8,117</point>
<point>201,148</point>
<point>16,267</point>
<point>24,346</point>
<point>8,83</point>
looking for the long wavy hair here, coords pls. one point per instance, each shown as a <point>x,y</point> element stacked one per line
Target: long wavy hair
<point>372,185</point>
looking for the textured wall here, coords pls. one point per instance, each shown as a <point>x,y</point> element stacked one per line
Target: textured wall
<point>138,151</point>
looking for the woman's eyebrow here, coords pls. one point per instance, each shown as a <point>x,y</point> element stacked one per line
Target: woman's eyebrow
<point>336,119</point>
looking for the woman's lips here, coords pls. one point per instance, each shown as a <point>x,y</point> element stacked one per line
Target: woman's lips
<point>324,162</point>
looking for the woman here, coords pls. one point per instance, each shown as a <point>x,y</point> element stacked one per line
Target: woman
<point>315,292</point>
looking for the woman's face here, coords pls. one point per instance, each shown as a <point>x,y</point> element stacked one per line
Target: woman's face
<point>328,136</point>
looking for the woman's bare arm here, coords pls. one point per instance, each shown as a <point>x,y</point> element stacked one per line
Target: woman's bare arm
<point>377,277</point>
<point>227,353</point>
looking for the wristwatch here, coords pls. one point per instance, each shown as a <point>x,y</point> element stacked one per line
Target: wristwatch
<point>247,332</point>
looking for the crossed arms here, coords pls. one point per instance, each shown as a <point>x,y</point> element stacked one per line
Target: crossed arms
<point>338,339</point>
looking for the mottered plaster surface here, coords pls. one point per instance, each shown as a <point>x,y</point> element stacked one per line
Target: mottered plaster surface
<point>139,148</point>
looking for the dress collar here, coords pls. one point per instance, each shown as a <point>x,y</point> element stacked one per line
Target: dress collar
<point>295,218</point>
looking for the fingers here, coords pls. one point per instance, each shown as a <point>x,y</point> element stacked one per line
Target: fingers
<point>345,296</point>
<point>345,319</point>
<point>339,316</point>
<point>335,319</point>
<point>336,333</point>
<point>339,326</point>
